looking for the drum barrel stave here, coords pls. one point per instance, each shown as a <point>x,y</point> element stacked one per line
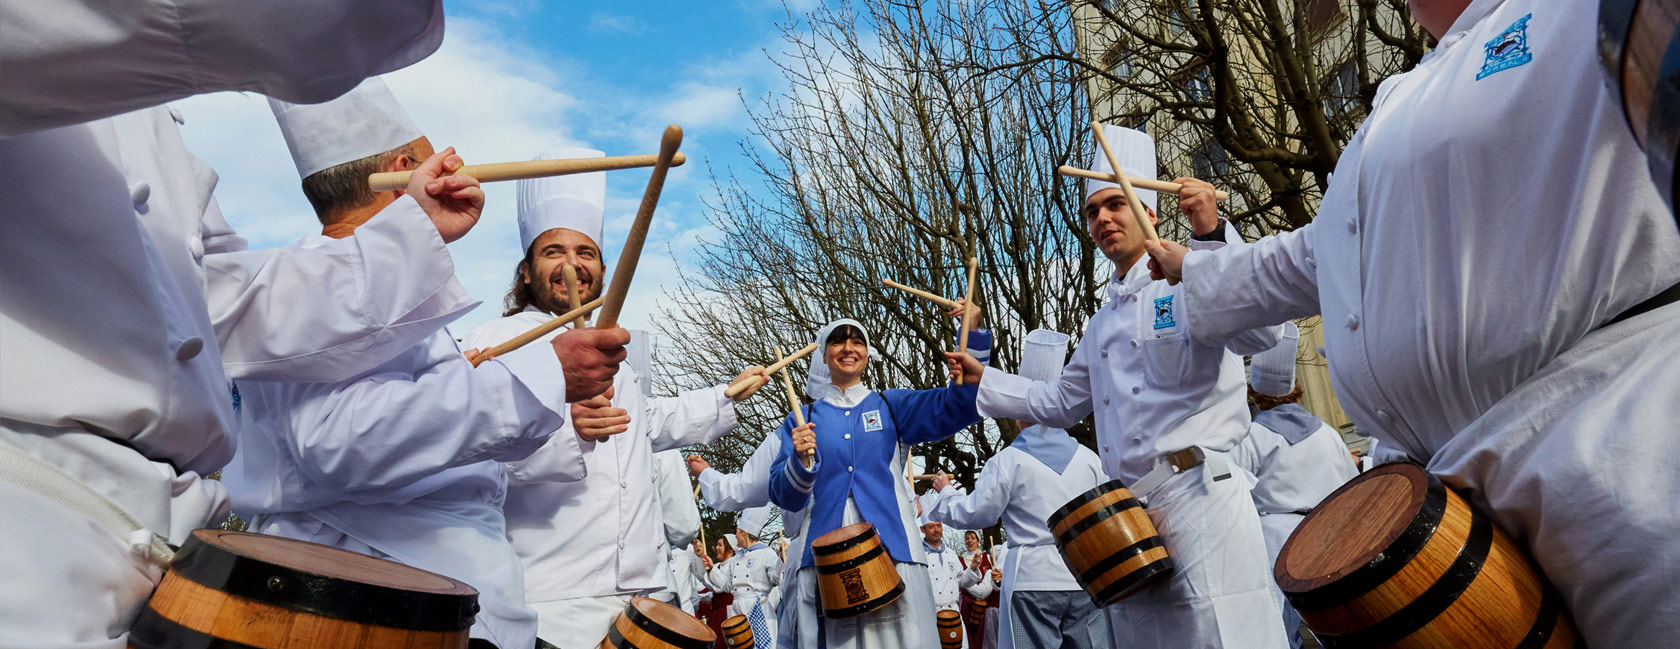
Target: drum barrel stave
<point>1109,543</point>
<point>855,574</point>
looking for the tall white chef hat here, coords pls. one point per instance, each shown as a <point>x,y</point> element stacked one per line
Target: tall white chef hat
<point>1043,354</point>
<point>753,520</point>
<point>1136,151</point>
<point>575,202</point>
<point>1272,372</point>
<point>366,121</point>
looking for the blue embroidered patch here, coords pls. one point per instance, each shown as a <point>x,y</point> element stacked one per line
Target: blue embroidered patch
<point>872,420</point>
<point>1163,312</point>
<point>1507,50</point>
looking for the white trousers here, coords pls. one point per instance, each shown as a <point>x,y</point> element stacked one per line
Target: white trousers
<point>907,623</point>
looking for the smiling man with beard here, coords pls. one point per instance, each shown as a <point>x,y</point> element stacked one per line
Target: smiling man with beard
<point>588,546</point>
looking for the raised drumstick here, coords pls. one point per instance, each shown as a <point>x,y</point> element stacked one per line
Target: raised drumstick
<point>537,332</point>
<point>1137,181</point>
<point>941,301</point>
<point>626,268</point>
<point>571,287</point>
<point>1125,184</point>
<point>968,313</point>
<point>808,459</point>
<point>736,389</point>
<point>496,171</point>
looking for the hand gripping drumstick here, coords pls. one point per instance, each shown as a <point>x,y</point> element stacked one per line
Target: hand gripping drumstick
<point>808,459</point>
<point>736,389</point>
<point>968,314</point>
<point>1137,181</point>
<point>1125,184</point>
<point>537,332</point>
<point>570,275</point>
<point>626,268</point>
<point>393,180</point>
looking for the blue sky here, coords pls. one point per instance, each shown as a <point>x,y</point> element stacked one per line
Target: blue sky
<point>516,77</point>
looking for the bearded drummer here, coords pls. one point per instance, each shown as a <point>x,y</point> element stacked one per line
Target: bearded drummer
<point>1168,412</point>
<point>860,439</point>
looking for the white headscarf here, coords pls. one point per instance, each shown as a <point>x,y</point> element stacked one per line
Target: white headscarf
<point>1136,151</point>
<point>818,383</point>
<point>364,122</point>
<point>1272,372</point>
<point>574,202</point>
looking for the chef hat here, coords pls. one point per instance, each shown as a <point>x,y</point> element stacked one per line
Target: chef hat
<point>1136,151</point>
<point>1272,372</point>
<point>927,501</point>
<point>364,122</point>
<point>574,202</point>
<point>733,544</point>
<point>1043,355</point>
<point>640,356</point>
<point>752,520</point>
<point>819,380</point>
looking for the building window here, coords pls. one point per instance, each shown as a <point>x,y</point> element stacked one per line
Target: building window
<point>1321,14</point>
<point>1198,88</point>
<point>1341,92</point>
<point>1210,160</point>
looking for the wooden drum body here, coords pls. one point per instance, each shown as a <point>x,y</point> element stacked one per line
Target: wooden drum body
<point>648,623</point>
<point>1637,42</point>
<point>950,630</point>
<point>738,632</point>
<point>1109,543</point>
<point>855,575</point>
<point>252,590</point>
<point>1395,559</point>
<point>975,612</point>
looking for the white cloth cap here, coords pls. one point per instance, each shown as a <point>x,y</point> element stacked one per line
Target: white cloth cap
<point>639,354</point>
<point>1272,372</point>
<point>574,202</point>
<point>927,500</point>
<point>366,121</point>
<point>753,520</point>
<point>1043,355</point>
<point>733,544</point>
<point>1136,151</point>
<point>819,381</point>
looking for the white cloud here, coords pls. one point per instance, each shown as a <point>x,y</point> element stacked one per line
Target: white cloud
<point>610,24</point>
<point>703,105</point>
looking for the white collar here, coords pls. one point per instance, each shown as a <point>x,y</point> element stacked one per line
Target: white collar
<point>848,397</point>
<point>1132,281</point>
<point>1461,27</point>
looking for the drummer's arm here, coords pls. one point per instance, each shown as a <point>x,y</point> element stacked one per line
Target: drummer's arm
<point>979,509</point>
<point>790,482</point>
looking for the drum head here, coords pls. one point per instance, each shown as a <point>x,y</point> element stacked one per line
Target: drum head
<point>672,618</point>
<point>325,561</point>
<point>1352,527</point>
<point>857,531</point>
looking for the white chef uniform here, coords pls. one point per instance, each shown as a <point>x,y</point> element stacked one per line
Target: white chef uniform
<point>1156,391</point>
<point>400,461</point>
<point>1295,457</point>
<point>686,573</point>
<point>946,573</point>
<point>105,290</point>
<point>578,577</point>
<point>677,509</point>
<point>1486,226</point>
<point>750,576</point>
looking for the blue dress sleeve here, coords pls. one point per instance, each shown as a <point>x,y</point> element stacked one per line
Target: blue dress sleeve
<point>790,481</point>
<point>930,415</point>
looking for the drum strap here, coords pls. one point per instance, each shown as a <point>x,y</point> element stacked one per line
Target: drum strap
<point>1218,468</point>
<point>20,469</point>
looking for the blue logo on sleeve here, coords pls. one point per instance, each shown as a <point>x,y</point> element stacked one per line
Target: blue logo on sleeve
<point>1163,313</point>
<point>1507,50</point>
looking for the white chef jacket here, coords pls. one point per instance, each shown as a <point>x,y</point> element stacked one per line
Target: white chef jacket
<point>1293,478</point>
<point>749,576</point>
<point>686,573</point>
<point>622,548</point>
<point>1154,388</point>
<point>949,577</point>
<point>1481,232</point>
<point>677,508</point>
<point>749,487</point>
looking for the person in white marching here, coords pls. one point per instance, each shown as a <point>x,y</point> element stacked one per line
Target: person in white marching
<point>401,462</point>
<point>1042,605</point>
<point>750,576</point>
<point>1295,457</point>
<point>1168,412</point>
<point>579,577</point>
<point>113,394</point>
<point>677,509</point>
<point>686,572</point>
<point>1494,272</point>
<point>945,568</point>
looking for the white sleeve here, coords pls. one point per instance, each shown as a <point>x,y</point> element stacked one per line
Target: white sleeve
<point>676,501</point>
<point>689,419</point>
<point>983,507</point>
<point>749,487</point>
<point>391,428</point>
<point>72,61</point>
<point>1059,405</point>
<point>327,311</point>
<point>1234,290</point>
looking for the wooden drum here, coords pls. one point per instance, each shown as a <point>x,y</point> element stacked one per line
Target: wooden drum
<point>648,623</point>
<point>738,632</point>
<point>1636,41</point>
<point>1395,559</point>
<point>975,612</point>
<point>950,630</point>
<point>253,590</point>
<point>1109,543</point>
<point>855,575</point>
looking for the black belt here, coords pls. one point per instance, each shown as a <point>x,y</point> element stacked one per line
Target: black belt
<point>1669,296</point>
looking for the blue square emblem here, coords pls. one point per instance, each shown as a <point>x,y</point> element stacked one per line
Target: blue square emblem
<point>872,421</point>
<point>1507,50</point>
<point>1164,313</point>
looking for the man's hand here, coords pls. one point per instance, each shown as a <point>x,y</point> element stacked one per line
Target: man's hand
<point>997,575</point>
<point>590,358</point>
<point>941,480</point>
<point>1197,203</point>
<point>473,354</point>
<point>1166,260</point>
<point>958,312</point>
<point>596,419</point>
<point>697,465</point>
<point>964,366</point>
<point>760,378</point>
<point>453,202</point>
<point>805,439</point>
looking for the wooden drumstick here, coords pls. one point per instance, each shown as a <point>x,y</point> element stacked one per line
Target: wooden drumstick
<point>1137,181</point>
<point>1125,184</point>
<point>498,171</point>
<point>536,332</point>
<point>941,301</point>
<point>572,288</point>
<point>807,459</point>
<point>627,258</point>
<point>735,389</point>
<point>968,314</point>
